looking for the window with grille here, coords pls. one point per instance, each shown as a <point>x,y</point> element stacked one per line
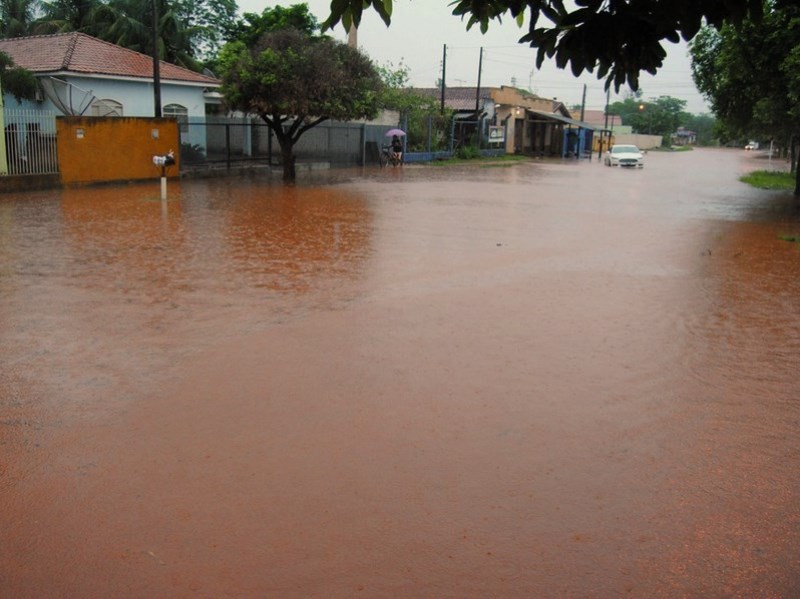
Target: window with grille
<point>181,114</point>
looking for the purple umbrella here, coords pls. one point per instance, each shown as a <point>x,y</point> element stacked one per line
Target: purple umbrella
<point>393,132</point>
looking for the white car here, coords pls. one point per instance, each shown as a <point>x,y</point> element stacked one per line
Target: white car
<point>625,155</point>
<point>753,145</point>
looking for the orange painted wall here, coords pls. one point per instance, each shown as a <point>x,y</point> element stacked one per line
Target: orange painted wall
<point>100,149</point>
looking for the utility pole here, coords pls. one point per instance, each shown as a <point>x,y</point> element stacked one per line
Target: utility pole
<point>156,65</point>
<point>583,102</point>
<point>581,135</point>
<point>605,127</point>
<point>444,71</point>
<point>478,91</point>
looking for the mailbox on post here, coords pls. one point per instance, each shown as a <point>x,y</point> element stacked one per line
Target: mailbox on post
<point>164,162</point>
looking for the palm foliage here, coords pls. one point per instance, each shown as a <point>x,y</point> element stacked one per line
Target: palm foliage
<point>189,31</point>
<point>16,17</point>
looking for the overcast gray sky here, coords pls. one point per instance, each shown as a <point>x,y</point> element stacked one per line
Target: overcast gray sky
<point>420,29</point>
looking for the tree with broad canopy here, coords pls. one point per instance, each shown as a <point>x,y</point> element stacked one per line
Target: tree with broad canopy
<point>750,73</point>
<point>15,80</point>
<point>619,38</point>
<point>295,81</point>
<point>252,26</point>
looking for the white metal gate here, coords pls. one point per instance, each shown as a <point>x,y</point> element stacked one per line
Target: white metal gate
<point>30,142</point>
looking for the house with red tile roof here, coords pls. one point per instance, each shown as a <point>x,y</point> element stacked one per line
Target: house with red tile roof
<point>84,76</point>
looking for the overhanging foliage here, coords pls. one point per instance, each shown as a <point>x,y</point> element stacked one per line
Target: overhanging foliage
<point>616,38</point>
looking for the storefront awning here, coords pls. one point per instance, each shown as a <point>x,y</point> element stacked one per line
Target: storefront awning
<point>563,119</point>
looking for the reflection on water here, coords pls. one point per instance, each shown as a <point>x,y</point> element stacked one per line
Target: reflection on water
<point>753,283</point>
<point>116,280</point>
<point>549,380</point>
<point>737,485</point>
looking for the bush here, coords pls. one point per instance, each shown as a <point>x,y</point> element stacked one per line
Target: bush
<point>192,153</point>
<point>468,152</point>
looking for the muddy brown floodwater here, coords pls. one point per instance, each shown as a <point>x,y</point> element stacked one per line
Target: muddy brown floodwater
<point>553,379</point>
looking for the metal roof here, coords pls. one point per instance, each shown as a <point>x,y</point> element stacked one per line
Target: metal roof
<point>458,98</point>
<point>564,119</point>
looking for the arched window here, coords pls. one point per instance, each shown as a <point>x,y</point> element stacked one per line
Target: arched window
<point>181,113</point>
<point>175,110</point>
<point>106,107</point>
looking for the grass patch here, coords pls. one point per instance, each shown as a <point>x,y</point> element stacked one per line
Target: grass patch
<point>483,161</point>
<point>769,180</point>
<point>790,238</point>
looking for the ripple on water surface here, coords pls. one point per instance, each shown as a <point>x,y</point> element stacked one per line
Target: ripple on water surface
<point>551,379</point>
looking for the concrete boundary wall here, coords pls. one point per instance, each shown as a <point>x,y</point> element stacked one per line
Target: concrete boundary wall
<point>99,149</point>
<point>641,140</point>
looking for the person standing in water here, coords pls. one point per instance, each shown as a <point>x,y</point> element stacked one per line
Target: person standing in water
<point>397,148</point>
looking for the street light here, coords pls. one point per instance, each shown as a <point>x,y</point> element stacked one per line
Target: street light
<point>649,119</point>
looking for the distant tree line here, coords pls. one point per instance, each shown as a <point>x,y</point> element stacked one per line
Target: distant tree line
<point>750,73</point>
<point>663,116</point>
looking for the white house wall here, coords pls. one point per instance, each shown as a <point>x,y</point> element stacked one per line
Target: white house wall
<point>136,97</point>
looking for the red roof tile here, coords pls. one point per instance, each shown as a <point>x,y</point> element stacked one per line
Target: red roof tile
<point>85,55</point>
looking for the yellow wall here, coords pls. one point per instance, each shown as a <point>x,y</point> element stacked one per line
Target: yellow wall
<point>514,102</point>
<point>100,149</point>
<point>607,142</point>
<point>517,97</point>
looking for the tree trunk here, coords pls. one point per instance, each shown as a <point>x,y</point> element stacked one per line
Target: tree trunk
<point>796,180</point>
<point>797,183</point>
<point>288,160</point>
<point>794,166</point>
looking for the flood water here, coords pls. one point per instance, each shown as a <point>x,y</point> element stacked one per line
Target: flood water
<point>553,379</point>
